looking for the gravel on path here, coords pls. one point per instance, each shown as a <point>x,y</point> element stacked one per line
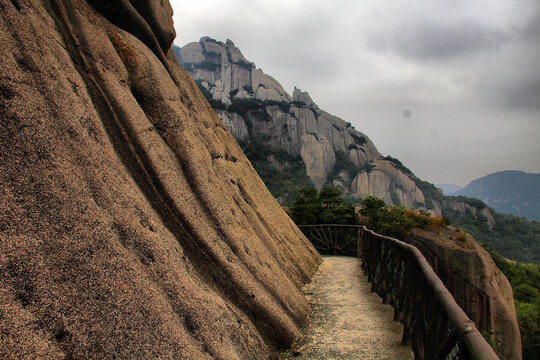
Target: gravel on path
<point>348,321</point>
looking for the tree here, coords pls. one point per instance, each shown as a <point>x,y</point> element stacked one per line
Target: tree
<point>396,221</point>
<point>326,207</point>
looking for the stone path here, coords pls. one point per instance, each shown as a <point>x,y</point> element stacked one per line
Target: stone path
<point>348,321</point>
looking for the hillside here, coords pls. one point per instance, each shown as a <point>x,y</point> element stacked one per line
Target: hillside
<point>449,189</point>
<point>132,226</point>
<point>290,141</point>
<point>509,192</point>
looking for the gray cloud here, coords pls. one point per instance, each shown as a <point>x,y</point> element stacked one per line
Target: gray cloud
<point>522,96</point>
<point>531,29</point>
<point>467,70</point>
<point>437,41</point>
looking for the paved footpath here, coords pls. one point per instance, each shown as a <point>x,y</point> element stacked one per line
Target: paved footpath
<point>348,321</point>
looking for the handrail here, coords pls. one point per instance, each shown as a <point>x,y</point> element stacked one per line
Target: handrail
<point>432,320</point>
<point>472,299</point>
<point>430,338</point>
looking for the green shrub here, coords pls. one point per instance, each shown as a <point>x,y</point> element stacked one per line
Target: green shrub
<point>418,204</point>
<point>261,114</point>
<point>359,140</point>
<point>242,106</point>
<point>526,293</point>
<point>396,221</point>
<point>245,64</point>
<point>285,179</point>
<point>525,281</point>
<point>207,65</point>
<point>285,107</point>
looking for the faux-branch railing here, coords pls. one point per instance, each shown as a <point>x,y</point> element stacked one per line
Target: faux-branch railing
<point>433,322</point>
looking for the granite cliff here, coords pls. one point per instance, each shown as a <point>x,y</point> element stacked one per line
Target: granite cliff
<point>131,223</point>
<point>298,138</point>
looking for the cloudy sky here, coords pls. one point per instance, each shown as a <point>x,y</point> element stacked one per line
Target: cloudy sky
<point>451,88</point>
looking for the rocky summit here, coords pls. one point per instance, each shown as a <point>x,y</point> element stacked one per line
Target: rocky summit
<point>305,143</point>
<point>132,226</point>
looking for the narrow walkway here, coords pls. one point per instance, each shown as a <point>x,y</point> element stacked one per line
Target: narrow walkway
<point>348,321</point>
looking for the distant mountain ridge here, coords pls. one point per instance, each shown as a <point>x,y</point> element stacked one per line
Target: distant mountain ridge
<point>510,192</point>
<point>449,189</point>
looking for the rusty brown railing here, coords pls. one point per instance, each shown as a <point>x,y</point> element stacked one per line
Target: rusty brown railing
<point>433,323</point>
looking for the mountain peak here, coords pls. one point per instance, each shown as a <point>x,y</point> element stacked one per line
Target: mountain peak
<point>303,96</point>
<point>289,137</point>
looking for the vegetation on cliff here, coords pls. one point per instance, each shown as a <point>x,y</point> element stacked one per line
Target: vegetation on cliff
<point>396,221</point>
<point>284,181</point>
<point>525,281</point>
<point>324,207</point>
<point>513,237</point>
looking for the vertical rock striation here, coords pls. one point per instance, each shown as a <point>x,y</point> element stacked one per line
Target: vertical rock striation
<point>131,223</point>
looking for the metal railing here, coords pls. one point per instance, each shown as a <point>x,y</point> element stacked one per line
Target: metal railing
<point>433,323</point>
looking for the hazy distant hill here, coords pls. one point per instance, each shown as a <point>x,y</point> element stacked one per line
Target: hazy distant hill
<point>510,192</point>
<point>449,189</point>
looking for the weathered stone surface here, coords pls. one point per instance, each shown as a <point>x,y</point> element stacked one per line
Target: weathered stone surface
<point>388,183</point>
<point>302,96</point>
<point>318,156</point>
<point>236,124</point>
<point>192,53</point>
<point>489,217</point>
<point>474,280</point>
<point>261,81</point>
<point>131,223</point>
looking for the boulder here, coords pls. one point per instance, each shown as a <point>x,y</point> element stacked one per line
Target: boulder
<point>479,287</point>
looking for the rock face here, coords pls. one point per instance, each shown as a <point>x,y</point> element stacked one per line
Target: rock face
<point>474,211</point>
<point>259,111</point>
<point>474,280</point>
<point>131,223</point>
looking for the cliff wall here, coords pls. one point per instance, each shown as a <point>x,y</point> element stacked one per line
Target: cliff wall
<point>131,223</point>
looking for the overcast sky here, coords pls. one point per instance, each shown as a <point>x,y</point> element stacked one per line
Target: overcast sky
<point>451,88</point>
